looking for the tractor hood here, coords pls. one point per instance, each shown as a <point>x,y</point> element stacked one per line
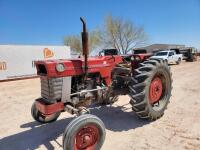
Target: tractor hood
<point>71,67</point>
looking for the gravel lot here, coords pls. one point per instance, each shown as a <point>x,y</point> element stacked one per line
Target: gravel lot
<point>179,128</point>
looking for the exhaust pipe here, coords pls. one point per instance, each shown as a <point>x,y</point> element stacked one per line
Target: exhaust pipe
<point>84,36</point>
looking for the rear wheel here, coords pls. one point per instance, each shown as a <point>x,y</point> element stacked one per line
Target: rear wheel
<point>195,57</point>
<point>39,117</point>
<point>150,89</point>
<point>84,132</point>
<point>179,61</point>
<point>166,61</point>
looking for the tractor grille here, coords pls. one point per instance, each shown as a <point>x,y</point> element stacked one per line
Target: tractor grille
<point>51,89</point>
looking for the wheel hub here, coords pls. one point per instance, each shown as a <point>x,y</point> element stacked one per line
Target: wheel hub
<point>156,89</point>
<point>86,138</point>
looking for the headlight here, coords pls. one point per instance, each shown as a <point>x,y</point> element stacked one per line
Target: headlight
<point>60,67</point>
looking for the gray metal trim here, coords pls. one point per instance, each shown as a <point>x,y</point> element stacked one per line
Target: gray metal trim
<point>66,89</point>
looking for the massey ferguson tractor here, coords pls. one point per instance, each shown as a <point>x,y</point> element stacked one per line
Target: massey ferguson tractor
<point>72,85</point>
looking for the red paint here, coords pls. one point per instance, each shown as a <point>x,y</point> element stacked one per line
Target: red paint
<point>155,90</point>
<point>86,138</point>
<point>49,109</point>
<point>102,64</point>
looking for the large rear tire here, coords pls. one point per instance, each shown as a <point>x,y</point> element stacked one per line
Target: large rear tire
<point>84,132</point>
<point>150,89</point>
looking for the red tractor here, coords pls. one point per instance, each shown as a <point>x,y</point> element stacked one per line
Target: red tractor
<point>74,84</point>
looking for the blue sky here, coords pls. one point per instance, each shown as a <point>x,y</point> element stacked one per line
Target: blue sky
<point>46,22</point>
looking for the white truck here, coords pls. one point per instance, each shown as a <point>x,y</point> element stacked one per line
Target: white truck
<point>171,56</point>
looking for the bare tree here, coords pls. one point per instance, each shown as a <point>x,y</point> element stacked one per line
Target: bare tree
<point>122,35</point>
<point>116,33</point>
<point>74,41</point>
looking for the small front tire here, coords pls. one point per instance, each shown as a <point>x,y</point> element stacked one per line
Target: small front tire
<point>84,132</point>
<point>41,118</point>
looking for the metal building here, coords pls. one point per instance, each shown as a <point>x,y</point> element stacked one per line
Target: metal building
<point>156,47</point>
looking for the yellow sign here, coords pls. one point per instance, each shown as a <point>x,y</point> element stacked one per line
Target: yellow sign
<point>48,53</point>
<point>3,66</point>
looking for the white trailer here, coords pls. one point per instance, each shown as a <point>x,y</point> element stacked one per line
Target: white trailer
<point>17,61</point>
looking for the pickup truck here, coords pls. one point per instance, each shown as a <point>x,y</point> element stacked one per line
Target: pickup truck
<point>169,55</point>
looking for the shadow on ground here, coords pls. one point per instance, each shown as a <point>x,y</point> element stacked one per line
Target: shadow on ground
<point>115,119</point>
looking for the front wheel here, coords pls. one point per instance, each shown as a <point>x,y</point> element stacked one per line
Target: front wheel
<point>41,118</point>
<point>150,89</point>
<point>84,132</point>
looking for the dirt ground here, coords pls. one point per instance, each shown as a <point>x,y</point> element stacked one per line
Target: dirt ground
<point>179,128</point>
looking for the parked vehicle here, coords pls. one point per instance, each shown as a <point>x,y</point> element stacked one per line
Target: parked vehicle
<point>107,52</point>
<point>139,51</point>
<point>170,56</point>
<point>74,84</point>
<point>189,54</point>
